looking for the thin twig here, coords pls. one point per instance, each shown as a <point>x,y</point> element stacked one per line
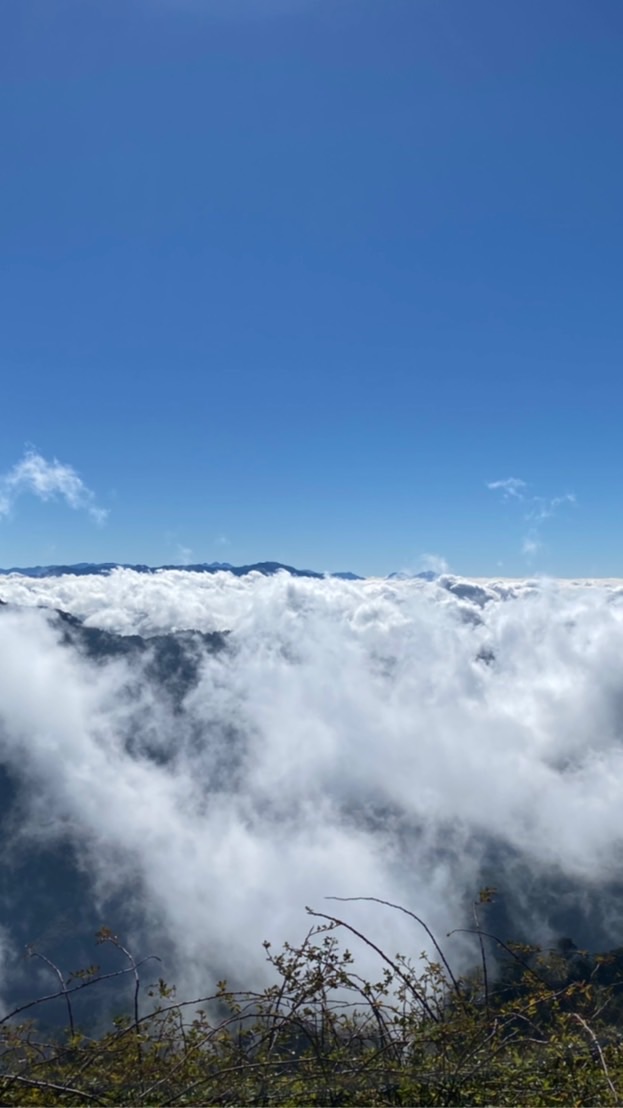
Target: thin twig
<point>407,912</point>
<point>64,991</point>
<point>74,989</point>
<point>32,1083</point>
<point>403,977</point>
<point>483,958</point>
<point>595,1040</point>
<point>508,949</point>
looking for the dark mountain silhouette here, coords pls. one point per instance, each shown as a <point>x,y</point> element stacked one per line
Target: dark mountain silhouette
<point>83,569</point>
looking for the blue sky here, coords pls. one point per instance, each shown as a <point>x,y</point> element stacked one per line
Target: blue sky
<point>299,279</point>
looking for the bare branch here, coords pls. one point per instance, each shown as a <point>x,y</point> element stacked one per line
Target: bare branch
<point>35,954</point>
<point>407,912</point>
<point>600,1053</point>
<point>397,970</point>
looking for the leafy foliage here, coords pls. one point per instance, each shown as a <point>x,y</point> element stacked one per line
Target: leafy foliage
<point>538,1028</point>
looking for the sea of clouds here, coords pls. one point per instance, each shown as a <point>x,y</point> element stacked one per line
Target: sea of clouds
<point>403,739</point>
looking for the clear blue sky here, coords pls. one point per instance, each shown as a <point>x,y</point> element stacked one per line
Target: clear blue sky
<point>297,279</point>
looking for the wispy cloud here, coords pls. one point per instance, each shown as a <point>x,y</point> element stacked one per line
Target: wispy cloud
<point>537,509</point>
<point>48,480</point>
<point>531,546</point>
<point>543,508</point>
<point>511,487</point>
<point>433,563</point>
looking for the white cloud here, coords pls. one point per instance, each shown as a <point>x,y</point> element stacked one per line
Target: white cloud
<point>47,481</point>
<point>433,563</point>
<point>536,510</point>
<point>351,740</point>
<point>542,508</point>
<point>184,554</point>
<point>531,546</point>
<point>511,487</point>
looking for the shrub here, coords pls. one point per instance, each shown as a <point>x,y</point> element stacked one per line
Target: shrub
<point>537,1028</point>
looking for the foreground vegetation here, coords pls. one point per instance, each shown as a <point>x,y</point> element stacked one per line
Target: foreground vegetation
<point>528,1027</point>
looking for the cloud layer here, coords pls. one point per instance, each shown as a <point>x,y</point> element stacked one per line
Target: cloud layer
<point>371,737</point>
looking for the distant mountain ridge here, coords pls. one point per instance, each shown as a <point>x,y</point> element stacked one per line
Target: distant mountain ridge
<point>102,569</point>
